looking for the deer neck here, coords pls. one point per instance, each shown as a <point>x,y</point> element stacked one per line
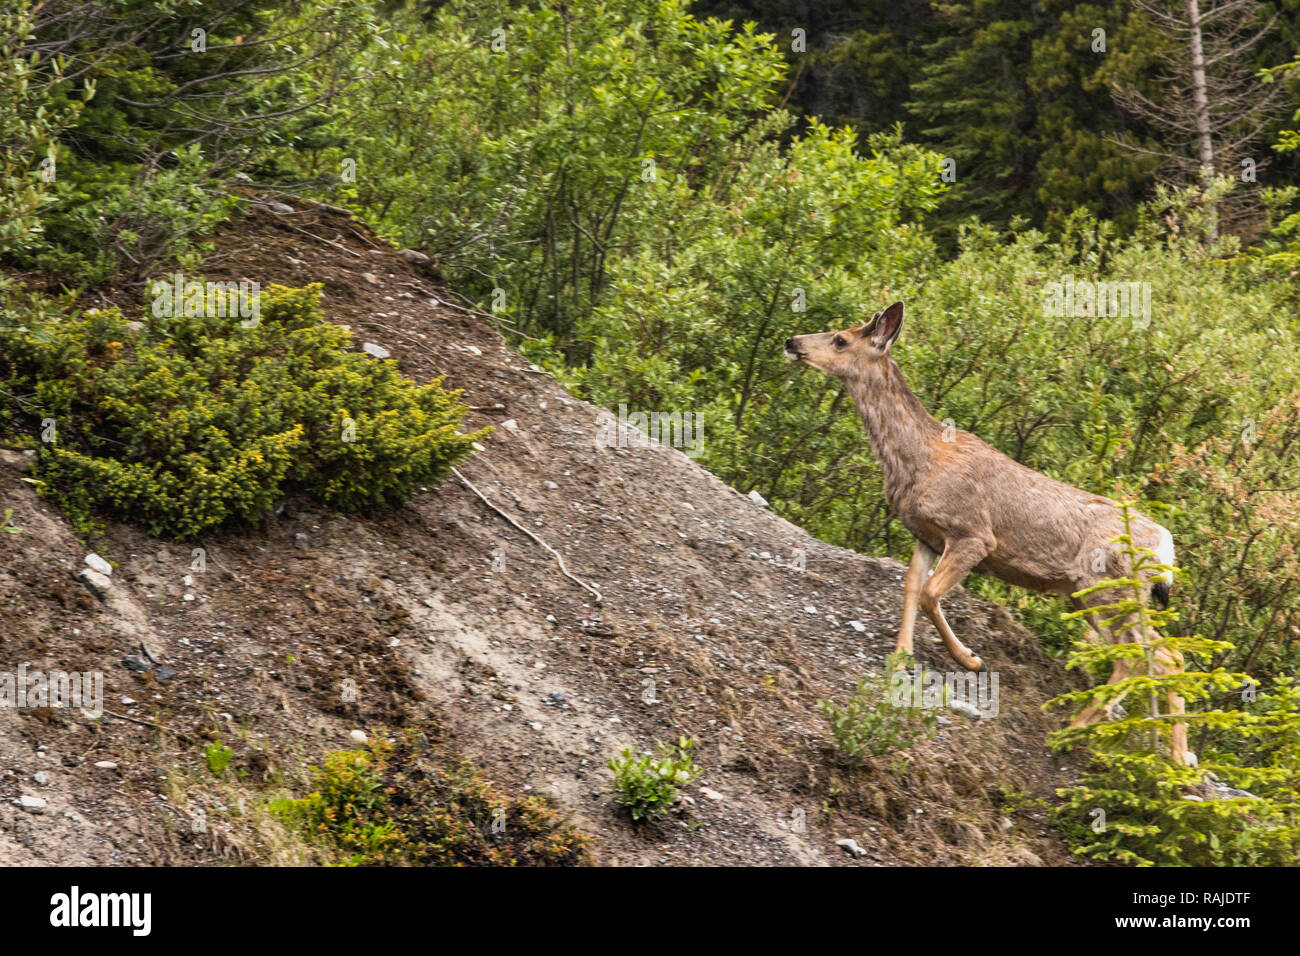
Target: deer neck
<point>902,432</point>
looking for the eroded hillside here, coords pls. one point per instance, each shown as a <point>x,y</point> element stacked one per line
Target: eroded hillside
<point>451,620</point>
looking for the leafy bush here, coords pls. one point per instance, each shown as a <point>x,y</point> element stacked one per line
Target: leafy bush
<point>648,784</point>
<point>31,116</point>
<point>188,423</point>
<point>872,724</point>
<point>389,804</point>
<point>1146,810</point>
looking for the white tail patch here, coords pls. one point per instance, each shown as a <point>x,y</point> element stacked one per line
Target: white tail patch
<point>1165,554</point>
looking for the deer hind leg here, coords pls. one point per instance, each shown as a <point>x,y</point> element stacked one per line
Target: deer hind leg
<point>959,558</point>
<point>917,569</point>
<point>1170,661</point>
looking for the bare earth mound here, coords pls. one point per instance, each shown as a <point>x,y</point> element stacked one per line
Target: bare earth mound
<point>517,668</point>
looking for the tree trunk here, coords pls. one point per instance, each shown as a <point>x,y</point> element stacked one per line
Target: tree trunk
<point>1201,106</point>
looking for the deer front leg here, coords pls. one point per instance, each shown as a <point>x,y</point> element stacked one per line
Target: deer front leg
<point>1093,712</point>
<point>959,558</point>
<point>917,569</point>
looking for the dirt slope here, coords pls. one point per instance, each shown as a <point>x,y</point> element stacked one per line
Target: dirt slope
<point>517,668</point>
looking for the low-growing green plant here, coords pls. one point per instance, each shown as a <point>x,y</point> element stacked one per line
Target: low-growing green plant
<point>190,422</point>
<point>871,724</point>
<point>218,756</point>
<point>392,803</point>
<point>1135,805</point>
<point>8,524</point>
<point>649,783</point>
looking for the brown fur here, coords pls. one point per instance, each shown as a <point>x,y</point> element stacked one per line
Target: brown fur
<point>969,504</point>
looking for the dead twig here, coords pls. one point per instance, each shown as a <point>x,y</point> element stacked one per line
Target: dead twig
<point>558,557</point>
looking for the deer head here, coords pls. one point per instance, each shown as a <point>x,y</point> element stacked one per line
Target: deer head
<point>843,353</point>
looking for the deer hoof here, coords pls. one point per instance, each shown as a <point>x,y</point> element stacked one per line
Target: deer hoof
<point>980,667</point>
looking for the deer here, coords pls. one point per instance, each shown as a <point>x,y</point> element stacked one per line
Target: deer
<point>972,508</point>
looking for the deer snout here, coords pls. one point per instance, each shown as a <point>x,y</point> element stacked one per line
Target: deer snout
<point>792,349</point>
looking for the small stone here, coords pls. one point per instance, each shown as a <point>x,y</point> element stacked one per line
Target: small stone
<point>413,255</point>
<point>1026,857</point>
<point>187,597</point>
<point>510,425</point>
<point>164,673</point>
<point>358,736</point>
<point>550,484</point>
<point>98,584</point>
<point>32,804</point>
<point>963,707</point>
<point>758,499</point>
<point>41,777</point>
<point>809,609</point>
<point>851,846</point>
<point>105,765</point>
<point>370,277</point>
<point>134,662</point>
<point>96,563</point>
<point>301,541</point>
<point>857,626</point>
<point>558,697</point>
<point>378,351</point>
<point>711,794</point>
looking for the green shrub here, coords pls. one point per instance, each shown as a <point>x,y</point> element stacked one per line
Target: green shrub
<point>1136,806</point>
<point>217,756</point>
<point>195,421</point>
<point>390,805</point>
<point>648,784</point>
<point>871,724</point>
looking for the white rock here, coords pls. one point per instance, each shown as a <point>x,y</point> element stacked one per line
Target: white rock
<point>510,425</point>
<point>809,609</point>
<point>99,583</point>
<point>32,804</point>
<point>41,777</point>
<point>474,348</point>
<point>378,351</point>
<point>187,597</point>
<point>96,563</point>
<point>963,707</point>
<point>852,847</point>
<point>359,736</point>
<point>711,794</point>
<point>857,626</point>
<point>758,499</point>
<point>105,765</point>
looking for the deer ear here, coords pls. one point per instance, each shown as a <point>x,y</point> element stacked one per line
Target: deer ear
<point>886,326</point>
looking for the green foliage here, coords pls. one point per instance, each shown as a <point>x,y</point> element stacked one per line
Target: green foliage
<point>32,114</point>
<point>190,422</point>
<point>1143,807</point>
<point>394,803</point>
<point>649,783</point>
<point>872,723</point>
<point>217,756</point>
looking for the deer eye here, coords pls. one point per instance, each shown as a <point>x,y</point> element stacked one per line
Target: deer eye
<point>839,342</point>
